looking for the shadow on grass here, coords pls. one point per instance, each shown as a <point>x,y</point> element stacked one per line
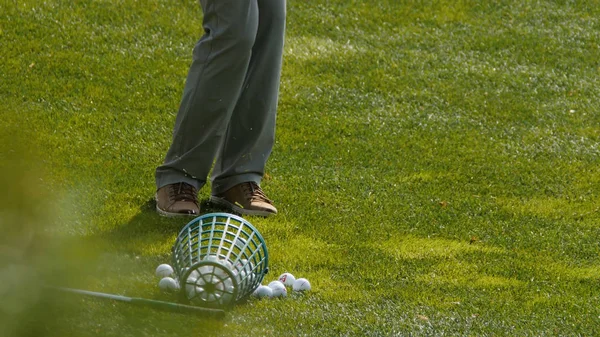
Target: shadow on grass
<point>119,261</point>
<point>148,232</point>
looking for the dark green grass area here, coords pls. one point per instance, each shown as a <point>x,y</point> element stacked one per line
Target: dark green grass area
<point>436,167</point>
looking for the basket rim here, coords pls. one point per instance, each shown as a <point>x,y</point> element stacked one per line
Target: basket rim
<point>226,215</point>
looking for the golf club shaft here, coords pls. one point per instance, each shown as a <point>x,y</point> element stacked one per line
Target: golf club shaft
<point>169,306</point>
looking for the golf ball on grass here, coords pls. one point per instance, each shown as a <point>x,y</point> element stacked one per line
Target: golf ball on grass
<point>278,288</point>
<point>168,284</point>
<point>301,284</point>
<point>263,291</point>
<point>287,279</point>
<point>164,270</point>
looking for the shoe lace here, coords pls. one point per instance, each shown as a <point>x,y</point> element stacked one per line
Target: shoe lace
<point>183,192</point>
<point>255,193</point>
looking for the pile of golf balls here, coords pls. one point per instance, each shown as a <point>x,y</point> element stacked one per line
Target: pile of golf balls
<point>275,289</point>
<point>242,271</point>
<point>279,287</point>
<point>167,283</point>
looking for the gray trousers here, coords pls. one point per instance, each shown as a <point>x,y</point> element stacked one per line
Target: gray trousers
<point>228,110</point>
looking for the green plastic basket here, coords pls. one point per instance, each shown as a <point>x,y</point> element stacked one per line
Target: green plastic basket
<point>219,259</point>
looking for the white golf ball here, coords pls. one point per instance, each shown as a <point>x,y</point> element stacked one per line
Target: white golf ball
<point>276,284</point>
<point>244,265</point>
<point>194,286</point>
<point>164,270</point>
<point>227,264</point>
<point>240,243</point>
<point>206,270</point>
<point>287,279</point>
<point>219,275</point>
<point>241,277</point>
<point>279,292</point>
<point>193,292</point>
<point>252,278</point>
<point>301,284</point>
<point>263,291</point>
<point>212,258</point>
<point>226,298</point>
<point>195,278</point>
<point>226,285</point>
<point>168,284</point>
<point>278,288</point>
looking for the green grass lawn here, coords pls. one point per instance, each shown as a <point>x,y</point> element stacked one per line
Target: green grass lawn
<point>436,167</point>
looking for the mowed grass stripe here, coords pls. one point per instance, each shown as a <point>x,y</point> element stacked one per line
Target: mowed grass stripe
<point>436,164</point>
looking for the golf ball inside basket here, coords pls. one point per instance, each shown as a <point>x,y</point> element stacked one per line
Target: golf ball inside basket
<point>301,284</point>
<point>241,277</point>
<point>194,275</point>
<point>226,298</point>
<point>191,291</point>
<point>240,243</point>
<point>287,279</point>
<point>263,291</point>
<point>168,284</point>
<point>212,258</point>
<point>224,291</point>
<point>227,264</point>
<point>164,270</point>
<point>244,265</point>
<point>194,289</point>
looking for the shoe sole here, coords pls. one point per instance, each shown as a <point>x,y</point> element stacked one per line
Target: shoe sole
<point>237,209</point>
<point>173,215</point>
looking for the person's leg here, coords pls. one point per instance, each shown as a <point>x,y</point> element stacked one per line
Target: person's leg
<point>250,134</point>
<point>213,86</point>
<point>251,130</point>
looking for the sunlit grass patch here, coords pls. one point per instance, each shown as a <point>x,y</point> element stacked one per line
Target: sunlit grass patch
<point>435,166</point>
<point>547,207</point>
<point>410,247</point>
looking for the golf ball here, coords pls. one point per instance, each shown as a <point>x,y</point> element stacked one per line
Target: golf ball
<point>224,291</point>
<point>226,286</point>
<point>287,279</point>
<point>279,292</point>
<point>196,279</point>
<point>194,286</point>
<point>212,258</point>
<point>240,243</point>
<point>278,289</point>
<point>263,291</point>
<point>164,270</point>
<point>244,265</point>
<point>219,274</point>
<point>168,284</point>
<point>276,284</point>
<point>227,264</point>
<point>240,277</point>
<point>301,284</point>
<point>192,291</point>
<point>226,298</point>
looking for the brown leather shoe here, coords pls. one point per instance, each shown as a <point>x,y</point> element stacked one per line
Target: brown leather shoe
<point>178,199</point>
<point>246,199</point>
